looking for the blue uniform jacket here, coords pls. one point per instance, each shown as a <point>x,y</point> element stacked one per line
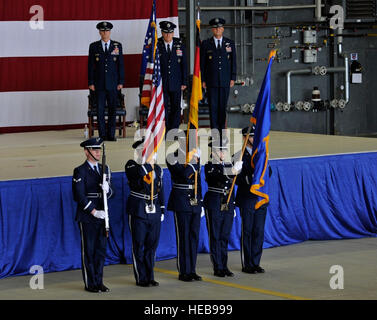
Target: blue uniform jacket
<point>88,193</point>
<point>218,67</point>
<point>105,71</point>
<point>244,198</point>
<point>179,199</point>
<point>135,205</point>
<point>173,70</point>
<point>218,176</point>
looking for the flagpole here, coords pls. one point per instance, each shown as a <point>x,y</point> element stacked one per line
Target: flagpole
<point>225,206</point>
<point>196,130</point>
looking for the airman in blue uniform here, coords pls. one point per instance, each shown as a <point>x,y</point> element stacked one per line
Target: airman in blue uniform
<point>106,77</point>
<point>253,220</point>
<point>219,71</point>
<point>88,189</point>
<point>187,208</point>
<point>173,72</point>
<point>145,215</point>
<point>219,212</point>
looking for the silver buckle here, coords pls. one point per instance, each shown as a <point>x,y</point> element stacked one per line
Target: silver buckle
<point>150,208</point>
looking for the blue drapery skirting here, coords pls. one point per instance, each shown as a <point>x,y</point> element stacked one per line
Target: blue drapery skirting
<point>317,198</point>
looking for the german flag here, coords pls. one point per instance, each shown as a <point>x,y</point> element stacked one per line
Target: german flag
<point>196,93</point>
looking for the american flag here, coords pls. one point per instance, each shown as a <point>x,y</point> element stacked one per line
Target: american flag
<point>156,115</point>
<point>149,51</point>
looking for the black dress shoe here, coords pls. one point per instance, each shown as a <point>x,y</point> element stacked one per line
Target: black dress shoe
<point>195,277</point>
<point>142,284</point>
<point>259,269</point>
<point>184,277</point>
<point>103,288</point>
<point>91,289</point>
<point>249,270</point>
<point>154,283</point>
<point>219,273</point>
<point>111,139</point>
<point>228,273</point>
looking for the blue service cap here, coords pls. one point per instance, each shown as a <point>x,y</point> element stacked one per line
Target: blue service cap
<point>104,26</point>
<point>217,22</point>
<point>167,26</point>
<point>93,143</point>
<point>244,131</point>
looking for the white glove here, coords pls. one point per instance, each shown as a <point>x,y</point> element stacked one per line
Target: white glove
<point>99,214</point>
<point>162,217</point>
<point>105,186</point>
<point>197,153</point>
<point>235,213</point>
<point>202,213</point>
<point>238,165</point>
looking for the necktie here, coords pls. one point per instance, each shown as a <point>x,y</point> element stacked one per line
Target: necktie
<point>218,44</point>
<point>105,52</point>
<point>96,169</point>
<point>169,51</point>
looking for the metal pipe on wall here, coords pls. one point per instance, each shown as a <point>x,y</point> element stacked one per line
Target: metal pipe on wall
<point>346,80</point>
<point>288,80</point>
<point>242,42</point>
<point>261,8</point>
<point>318,9</point>
<point>311,71</point>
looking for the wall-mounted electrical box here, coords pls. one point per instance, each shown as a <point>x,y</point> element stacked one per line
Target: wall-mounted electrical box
<point>310,37</point>
<point>310,56</point>
<point>261,1</point>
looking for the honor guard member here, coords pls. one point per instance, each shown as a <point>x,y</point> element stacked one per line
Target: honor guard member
<point>106,78</point>
<point>88,192</point>
<point>173,72</point>
<point>253,220</point>
<point>218,70</point>
<point>186,207</point>
<point>145,215</point>
<point>219,212</point>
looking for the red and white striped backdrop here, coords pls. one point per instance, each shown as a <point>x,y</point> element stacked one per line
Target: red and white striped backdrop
<point>43,73</point>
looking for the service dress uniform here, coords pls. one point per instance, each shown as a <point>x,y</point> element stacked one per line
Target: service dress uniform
<point>187,212</point>
<point>106,72</point>
<point>253,220</point>
<point>218,68</point>
<point>145,226</point>
<point>219,213</point>
<point>88,193</point>
<point>174,74</point>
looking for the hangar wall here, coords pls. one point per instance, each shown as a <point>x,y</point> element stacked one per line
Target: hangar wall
<point>259,30</point>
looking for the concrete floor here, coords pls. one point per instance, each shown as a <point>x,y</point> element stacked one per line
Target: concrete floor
<point>295,272</point>
<point>56,153</point>
<point>299,271</point>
